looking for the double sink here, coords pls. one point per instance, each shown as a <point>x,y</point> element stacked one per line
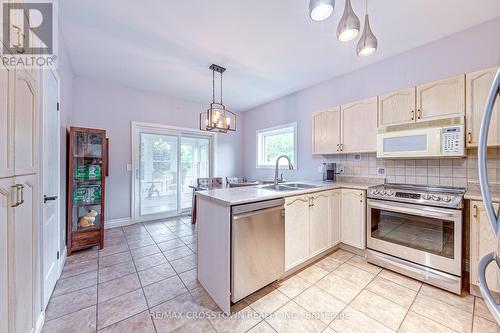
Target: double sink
<point>288,187</point>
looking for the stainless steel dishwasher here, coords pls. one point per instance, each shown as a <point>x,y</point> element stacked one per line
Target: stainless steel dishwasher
<point>257,246</point>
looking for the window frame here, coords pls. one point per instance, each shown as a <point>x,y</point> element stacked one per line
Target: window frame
<point>259,143</point>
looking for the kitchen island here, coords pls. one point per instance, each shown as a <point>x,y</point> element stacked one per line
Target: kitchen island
<point>316,208</point>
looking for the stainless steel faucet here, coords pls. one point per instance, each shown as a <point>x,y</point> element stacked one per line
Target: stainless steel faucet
<point>290,167</point>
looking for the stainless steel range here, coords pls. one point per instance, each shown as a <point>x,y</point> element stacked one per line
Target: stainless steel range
<point>417,231</point>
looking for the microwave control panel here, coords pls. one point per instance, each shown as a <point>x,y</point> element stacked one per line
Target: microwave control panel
<point>452,141</point>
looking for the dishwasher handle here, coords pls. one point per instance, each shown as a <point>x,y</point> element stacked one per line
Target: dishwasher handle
<point>255,212</point>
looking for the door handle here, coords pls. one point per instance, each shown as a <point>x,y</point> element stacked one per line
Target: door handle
<point>19,194</point>
<point>46,198</point>
<point>469,137</point>
<point>475,211</point>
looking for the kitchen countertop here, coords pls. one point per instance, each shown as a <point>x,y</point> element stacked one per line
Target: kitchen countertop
<point>474,192</point>
<point>241,195</point>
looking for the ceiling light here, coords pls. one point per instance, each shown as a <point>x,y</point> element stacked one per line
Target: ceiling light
<point>348,27</point>
<point>320,10</point>
<point>368,43</point>
<point>217,118</point>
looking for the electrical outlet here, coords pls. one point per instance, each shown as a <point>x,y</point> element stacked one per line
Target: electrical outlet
<point>340,169</point>
<point>129,167</point>
<point>356,157</point>
<point>381,172</point>
<point>320,169</point>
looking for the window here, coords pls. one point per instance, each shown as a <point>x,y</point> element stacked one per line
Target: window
<point>276,141</point>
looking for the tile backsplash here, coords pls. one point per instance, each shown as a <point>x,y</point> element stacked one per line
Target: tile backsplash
<point>446,172</point>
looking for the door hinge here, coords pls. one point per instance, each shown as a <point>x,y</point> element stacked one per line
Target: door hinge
<point>58,106</point>
<point>57,255</point>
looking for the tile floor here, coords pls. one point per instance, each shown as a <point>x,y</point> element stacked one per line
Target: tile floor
<point>144,280</point>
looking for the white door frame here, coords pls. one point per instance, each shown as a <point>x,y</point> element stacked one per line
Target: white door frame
<point>137,127</point>
<point>60,263</point>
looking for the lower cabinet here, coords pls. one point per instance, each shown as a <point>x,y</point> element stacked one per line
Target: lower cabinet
<point>319,220</point>
<point>296,231</point>
<point>482,242</point>
<point>352,228</point>
<point>17,257</point>
<point>312,225</point>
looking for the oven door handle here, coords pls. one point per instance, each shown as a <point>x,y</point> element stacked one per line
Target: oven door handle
<point>420,211</point>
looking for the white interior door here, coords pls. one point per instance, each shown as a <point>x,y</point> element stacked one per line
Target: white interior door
<point>167,161</point>
<point>51,175</point>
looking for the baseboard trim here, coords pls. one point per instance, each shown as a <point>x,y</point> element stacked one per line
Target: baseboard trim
<point>62,260</point>
<point>118,223</point>
<point>40,321</point>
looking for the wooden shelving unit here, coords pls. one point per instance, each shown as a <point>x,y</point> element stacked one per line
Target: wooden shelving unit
<point>87,160</point>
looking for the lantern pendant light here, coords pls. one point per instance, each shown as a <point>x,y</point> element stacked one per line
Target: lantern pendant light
<point>217,118</point>
<point>320,10</point>
<point>368,43</point>
<point>349,25</point>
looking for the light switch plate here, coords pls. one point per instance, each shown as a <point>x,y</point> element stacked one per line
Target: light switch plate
<point>129,167</point>
<point>320,169</point>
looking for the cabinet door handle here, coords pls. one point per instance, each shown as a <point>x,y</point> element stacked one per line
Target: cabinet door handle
<point>419,114</point>
<point>341,147</point>
<point>475,212</point>
<point>338,147</point>
<point>469,137</point>
<point>19,194</point>
<point>412,115</point>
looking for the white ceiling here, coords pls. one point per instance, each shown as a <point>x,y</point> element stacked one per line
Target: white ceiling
<point>270,47</point>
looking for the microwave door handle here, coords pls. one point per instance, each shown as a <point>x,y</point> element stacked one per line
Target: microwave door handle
<point>493,217</point>
<point>483,284</point>
<point>422,211</point>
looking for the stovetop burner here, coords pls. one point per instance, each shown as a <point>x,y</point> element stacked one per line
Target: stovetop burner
<point>451,197</point>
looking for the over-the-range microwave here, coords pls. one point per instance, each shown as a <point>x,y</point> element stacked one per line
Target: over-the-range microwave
<point>431,139</point>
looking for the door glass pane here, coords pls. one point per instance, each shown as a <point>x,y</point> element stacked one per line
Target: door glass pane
<point>431,235</point>
<point>195,162</point>
<point>158,173</point>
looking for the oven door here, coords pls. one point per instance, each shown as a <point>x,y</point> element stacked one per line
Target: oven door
<point>428,236</point>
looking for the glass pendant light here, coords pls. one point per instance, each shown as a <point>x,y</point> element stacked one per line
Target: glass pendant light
<point>217,118</point>
<point>368,43</point>
<point>348,27</point>
<point>320,10</point>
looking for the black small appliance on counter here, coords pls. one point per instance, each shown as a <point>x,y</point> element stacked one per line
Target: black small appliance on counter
<point>329,172</point>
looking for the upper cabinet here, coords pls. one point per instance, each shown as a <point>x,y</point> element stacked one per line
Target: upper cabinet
<point>337,130</point>
<point>6,123</point>
<point>24,123</point>
<point>326,131</point>
<point>441,99</point>
<point>478,85</point>
<point>359,126</point>
<point>397,107</point>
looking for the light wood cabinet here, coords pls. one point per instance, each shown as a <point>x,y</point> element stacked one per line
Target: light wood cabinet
<point>359,126</point>
<point>482,242</point>
<point>477,87</point>
<point>25,104</point>
<point>6,123</point>
<point>326,131</point>
<point>397,107</point>
<point>296,231</point>
<point>319,220</point>
<point>335,217</point>
<point>312,225</point>
<point>441,99</point>
<point>353,218</point>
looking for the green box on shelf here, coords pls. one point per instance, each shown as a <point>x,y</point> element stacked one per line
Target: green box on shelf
<point>94,171</point>
<point>81,172</point>
<point>80,194</point>
<point>94,193</point>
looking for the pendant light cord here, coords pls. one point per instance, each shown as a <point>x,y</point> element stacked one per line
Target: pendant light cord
<point>213,86</point>
<point>366,6</point>
<point>221,88</point>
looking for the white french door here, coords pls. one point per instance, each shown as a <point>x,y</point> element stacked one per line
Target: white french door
<point>166,162</point>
